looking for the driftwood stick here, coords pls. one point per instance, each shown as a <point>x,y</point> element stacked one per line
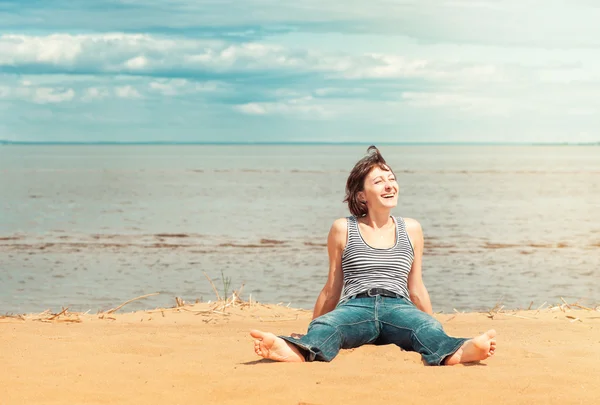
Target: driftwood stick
<point>59,314</point>
<point>213,286</point>
<point>110,311</point>
<point>563,300</point>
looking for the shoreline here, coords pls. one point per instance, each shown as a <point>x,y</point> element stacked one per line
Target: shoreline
<point>235,300</point>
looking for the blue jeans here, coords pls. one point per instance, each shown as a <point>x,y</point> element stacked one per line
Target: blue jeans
<point>376,320</point>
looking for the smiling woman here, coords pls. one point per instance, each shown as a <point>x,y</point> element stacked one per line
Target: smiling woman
<point>374,293</point>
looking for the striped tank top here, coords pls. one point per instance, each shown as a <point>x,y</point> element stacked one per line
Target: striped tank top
<point>367,267</point>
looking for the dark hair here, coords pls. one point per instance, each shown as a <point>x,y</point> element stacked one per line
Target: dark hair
<point>356,180</point>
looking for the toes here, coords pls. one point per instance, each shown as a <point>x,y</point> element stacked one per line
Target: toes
<point>491,333</point>
<point>256,334</point>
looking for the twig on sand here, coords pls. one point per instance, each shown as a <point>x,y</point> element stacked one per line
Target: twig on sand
<point>213,286</point>
<point>64,311</point>
<point>239,292</point>
<point>451,318</point>
<point>565,302</point>
<point>494,311</point>
<point>582,307</point>
<point>152,311</point>
<point>213,312</point>
<point>20,317</point>
<point>540,307</point>
<point>110,311</point>
<point>519,316</point>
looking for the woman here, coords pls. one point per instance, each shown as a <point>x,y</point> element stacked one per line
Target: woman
<point>374,293</point>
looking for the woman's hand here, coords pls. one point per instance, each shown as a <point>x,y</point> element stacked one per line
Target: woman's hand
<point>297,335</point>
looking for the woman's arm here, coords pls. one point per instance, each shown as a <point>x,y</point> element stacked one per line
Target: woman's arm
<point>330,294</point>
<point>418,293</point>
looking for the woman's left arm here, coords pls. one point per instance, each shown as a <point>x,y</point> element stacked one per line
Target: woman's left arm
<point>418,293</point>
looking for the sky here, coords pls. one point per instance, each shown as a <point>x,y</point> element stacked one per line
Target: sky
<point>300,71</point>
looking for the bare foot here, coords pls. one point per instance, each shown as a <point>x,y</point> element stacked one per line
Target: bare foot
<point>476,349</point>
<point>273,347</point>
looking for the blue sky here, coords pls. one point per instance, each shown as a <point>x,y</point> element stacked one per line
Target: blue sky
<point>301,71</point>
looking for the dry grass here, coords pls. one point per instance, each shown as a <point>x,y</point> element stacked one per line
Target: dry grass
<point>220,307</point>
<point>63,316</point>
<point>564,307</point>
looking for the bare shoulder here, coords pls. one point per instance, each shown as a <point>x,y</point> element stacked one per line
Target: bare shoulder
<point>338,233</point>
<point>413,226</point>
<point>340,227</point>
<point>414,231</point>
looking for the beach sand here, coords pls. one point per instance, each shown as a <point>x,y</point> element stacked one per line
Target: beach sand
<point>198,354</point>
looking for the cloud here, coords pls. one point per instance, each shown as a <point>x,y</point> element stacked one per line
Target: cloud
<point>138,62</point>
<point>147,55</point>
<point>39,95</point>
<point>95,93</point>
<point>174,87</point>
<point>49,95</point>
<point>530,23</point>
<point>304,107</point>
<point>127,92</point>
<point>138,53</point>
<point>264,69</point>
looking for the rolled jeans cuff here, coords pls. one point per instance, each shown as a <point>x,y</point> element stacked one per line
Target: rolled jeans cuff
<point>438,358</point>
<point>306,350</point>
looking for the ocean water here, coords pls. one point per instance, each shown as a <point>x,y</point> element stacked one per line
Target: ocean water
<point>89,227</point>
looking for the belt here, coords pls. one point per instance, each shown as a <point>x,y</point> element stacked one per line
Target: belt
<point>372,292</point>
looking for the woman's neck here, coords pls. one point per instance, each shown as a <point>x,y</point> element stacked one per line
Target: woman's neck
<point>377,220</point>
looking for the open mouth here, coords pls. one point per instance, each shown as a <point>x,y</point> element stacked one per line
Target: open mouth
<point>388,196</point>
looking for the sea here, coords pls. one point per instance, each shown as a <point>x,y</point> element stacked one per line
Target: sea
<point>88,227</point>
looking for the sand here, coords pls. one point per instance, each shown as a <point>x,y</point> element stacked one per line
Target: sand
<point>195,355</point>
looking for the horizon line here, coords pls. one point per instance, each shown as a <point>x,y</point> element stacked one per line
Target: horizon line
<point>293,143</point>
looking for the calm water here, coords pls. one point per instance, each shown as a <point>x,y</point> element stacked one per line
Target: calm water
<point>91,226</point>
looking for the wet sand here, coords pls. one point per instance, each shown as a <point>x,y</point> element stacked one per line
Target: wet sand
<point>200,354</point>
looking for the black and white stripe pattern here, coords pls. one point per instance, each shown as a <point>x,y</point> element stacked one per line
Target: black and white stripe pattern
<point>367,267</point>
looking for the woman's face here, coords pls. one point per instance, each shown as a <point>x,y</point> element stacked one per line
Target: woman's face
<point>380,189</point>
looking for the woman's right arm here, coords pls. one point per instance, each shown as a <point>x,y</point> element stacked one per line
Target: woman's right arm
<point>330,294</point>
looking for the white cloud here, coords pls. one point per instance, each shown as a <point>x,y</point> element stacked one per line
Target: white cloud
<point>38,95</point>
<point>131,53</point>
<point>253,108</point>
<point>138,62</point>
<point>339,91</point>
<point>304,107</point>
<point>123,54</point>
<point>95,93</point>
<point>43,95</point>
<point>173,87</point>
<point>127,92</point>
